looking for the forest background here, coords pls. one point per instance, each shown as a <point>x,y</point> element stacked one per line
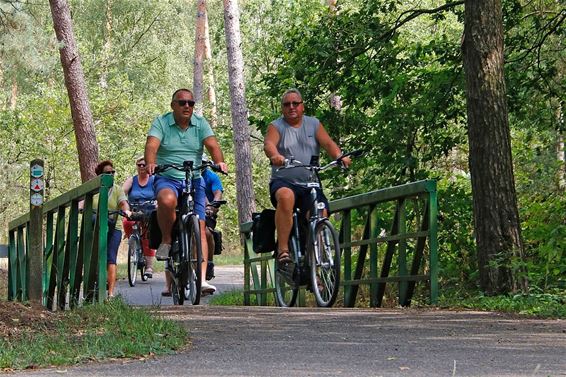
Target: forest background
<point>401,86</point>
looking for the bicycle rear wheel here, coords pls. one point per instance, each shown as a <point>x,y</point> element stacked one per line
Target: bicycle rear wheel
<point>133,245</point>
<point>324,261</point>
<point>194,278</point>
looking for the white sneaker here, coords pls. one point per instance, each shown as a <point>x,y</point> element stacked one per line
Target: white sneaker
<point>206,288</point>
<point>162,252</point>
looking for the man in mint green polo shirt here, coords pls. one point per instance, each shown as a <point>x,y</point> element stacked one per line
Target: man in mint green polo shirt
<point>175,137</point>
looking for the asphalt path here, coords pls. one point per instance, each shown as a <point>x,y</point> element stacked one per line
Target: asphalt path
<point>268,341</point>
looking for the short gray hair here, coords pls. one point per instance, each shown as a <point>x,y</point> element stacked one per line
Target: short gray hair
<point>291,91</point>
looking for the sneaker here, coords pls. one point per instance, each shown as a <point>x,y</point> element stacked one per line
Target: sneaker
<point>148,273</point>
<point>210,271</point>
<point>163,252</point>
<point>207,289</point>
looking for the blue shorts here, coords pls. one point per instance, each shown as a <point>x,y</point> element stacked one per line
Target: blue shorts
<point>113,243</point>
<point>177,187</point>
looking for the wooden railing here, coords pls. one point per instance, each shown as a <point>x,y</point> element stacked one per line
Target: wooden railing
<point>74,250</point>
<point>380,232</point>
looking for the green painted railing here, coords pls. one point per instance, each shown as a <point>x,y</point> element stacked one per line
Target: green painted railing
<point>385,237</point>
<point>74,248</point>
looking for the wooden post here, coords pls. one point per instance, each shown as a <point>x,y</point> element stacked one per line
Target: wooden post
<point>34,270</point>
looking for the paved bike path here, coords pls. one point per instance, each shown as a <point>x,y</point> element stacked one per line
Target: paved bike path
<point>149,292</point>
<point>268,341</point>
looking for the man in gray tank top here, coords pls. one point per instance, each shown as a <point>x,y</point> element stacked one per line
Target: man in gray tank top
<point>300,136</point>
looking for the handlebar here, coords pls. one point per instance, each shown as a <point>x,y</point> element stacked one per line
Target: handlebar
<point>135,216</point>
<point>188,166</point>
<point>292,163</point>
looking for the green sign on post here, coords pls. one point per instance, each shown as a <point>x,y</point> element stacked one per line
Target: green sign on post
<point>34,259</point>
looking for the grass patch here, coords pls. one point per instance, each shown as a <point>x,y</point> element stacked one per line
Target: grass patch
<point>544,305</point>
<point>92,332</point>
<point>228,260</point>
<point>236,298</point>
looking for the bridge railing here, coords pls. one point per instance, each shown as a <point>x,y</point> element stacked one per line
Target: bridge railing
<point>74,248</point>
<point>386,236</point>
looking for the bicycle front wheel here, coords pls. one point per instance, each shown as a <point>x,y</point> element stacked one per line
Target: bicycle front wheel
<point>133,245</point>
<point>194,277</point>
<point>324,261</point>
<point>285,293</point>
<point>286,287</point>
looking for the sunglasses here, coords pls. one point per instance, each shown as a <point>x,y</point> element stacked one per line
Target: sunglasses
<point>294,103</point>
<point>109,172</point>
<point>141,165</point>
<point>183,102</point>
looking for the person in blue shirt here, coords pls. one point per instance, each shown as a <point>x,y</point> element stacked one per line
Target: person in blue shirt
<point>213,189</point>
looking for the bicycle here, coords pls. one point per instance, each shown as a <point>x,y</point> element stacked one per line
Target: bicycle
<point>213,236</point>
<point>136,258</point>
<point>185,257</point>
<point>316,261</point>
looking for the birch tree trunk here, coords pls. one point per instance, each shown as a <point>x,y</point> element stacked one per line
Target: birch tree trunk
<point>560,147</point>
<point>198,72</point>
<point>210,75</point>
<point>85,136</point>
<point>496,217</point>
<point>14,95</point>
<point>106,49</point>
<point>242,148</point>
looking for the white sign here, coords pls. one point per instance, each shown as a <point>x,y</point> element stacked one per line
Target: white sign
<point>36,199</point>
<point>37,171</point>
<point>37,184</point>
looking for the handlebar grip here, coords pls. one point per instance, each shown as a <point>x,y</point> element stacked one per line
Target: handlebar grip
<point>137,216</point>
<point>217,203</point>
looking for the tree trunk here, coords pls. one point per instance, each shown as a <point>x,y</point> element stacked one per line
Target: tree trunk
<point>210,76</point>
<point>14,95</point>
<point>106,48</point>
<point>198,73</point>
<point>496,217</point>
<point>242,149</point>
<point>85,136</point>
<point>560,149</point>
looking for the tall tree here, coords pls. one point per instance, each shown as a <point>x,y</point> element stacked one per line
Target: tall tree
<point>210,75</point>
<point>198,74</point>
<point>239,111</point>
<point>496,217</point>
<point>76,88</point>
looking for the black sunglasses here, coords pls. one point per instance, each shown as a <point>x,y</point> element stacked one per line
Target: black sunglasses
<point>183,102</point>
<point>141,165</point>
<point>109,172</point>
<point>294,103</point>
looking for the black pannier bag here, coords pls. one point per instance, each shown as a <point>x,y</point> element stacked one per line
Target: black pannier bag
<point>154,231</point>
<point>217,235</point>
<point>264,231</point>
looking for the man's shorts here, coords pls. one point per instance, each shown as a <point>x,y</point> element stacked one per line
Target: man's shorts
<point>177,187</point>
<point>302,194</point>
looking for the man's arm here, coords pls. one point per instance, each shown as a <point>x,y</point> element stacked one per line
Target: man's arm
<point>213,148</point>
<point>330,146</point>
<point>270,146</point>
<point>151,146</point>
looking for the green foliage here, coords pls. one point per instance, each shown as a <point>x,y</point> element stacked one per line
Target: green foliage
<point>93,332</point>
<point>547,305</point>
